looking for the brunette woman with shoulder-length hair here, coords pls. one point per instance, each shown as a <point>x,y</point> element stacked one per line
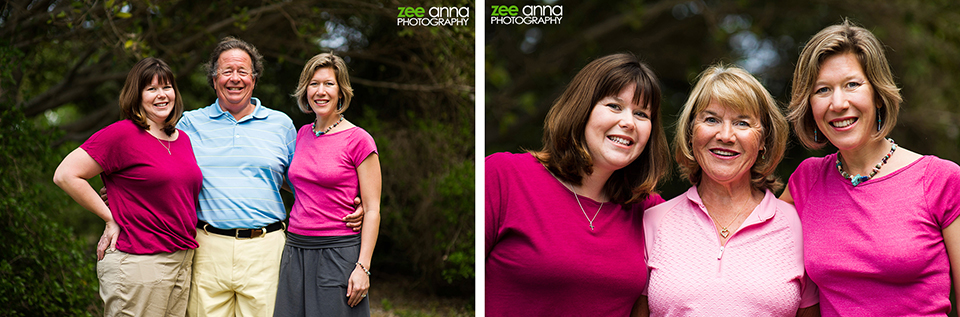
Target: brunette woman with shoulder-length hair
<point>146,251</point>
<point>563,230</point>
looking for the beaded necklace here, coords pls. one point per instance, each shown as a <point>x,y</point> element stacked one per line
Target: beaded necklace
<point>319,133</point>
<point>857,179</point>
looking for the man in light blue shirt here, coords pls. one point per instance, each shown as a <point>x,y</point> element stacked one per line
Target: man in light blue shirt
<point>243,149</point>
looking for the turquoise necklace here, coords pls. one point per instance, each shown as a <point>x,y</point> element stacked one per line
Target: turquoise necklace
<point>319,133</point>
<point>858,179</point>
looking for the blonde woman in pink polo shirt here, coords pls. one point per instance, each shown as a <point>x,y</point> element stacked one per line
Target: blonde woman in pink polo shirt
<point>728,246</point>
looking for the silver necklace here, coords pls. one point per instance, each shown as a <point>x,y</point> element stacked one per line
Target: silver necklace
<point>575,196</point>
<point>166,147</point>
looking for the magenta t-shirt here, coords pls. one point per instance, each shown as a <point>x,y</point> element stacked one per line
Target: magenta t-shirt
<point>324,178</point>
<point>153,194</point>
<point>542,259</point>
<point>877,249</point>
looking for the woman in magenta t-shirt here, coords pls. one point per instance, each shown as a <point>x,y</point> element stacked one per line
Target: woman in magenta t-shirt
<point>326,265</point>
<point>146,251</point>
<point>563,231</point>
<point>877,219</point>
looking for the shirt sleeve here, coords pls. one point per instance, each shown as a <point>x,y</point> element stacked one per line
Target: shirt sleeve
<point>186,125</point>
<point>492,205</point>
<point>943,191</point>
<point>652,200</point>
<point>365,146</point>
<point>651,221</point>
<point>800,179</point>
<point>291,140</point>
<point>103,148</point>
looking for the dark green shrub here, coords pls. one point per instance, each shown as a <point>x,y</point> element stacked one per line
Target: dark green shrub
<point>45,268</point>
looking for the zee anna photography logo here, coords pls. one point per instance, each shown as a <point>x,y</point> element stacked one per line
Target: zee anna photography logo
<point>435,16</point>
<point>527,15</point>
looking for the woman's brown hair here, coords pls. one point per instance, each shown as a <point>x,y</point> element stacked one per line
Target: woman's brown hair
<point>131,96</point>
<point>565,152</point>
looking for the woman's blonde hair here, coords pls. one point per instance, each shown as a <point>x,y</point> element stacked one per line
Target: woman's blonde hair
<point>835,40</point>
<point>340,71</point>
<point>735,88</point>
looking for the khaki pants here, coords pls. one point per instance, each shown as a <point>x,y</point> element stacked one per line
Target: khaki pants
<point>235,277</point>
<point>145,285</point>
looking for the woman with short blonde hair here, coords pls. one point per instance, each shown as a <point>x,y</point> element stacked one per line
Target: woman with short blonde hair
<point>878,219</point>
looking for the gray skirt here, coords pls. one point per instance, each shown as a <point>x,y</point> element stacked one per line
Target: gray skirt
<point>314,273</point>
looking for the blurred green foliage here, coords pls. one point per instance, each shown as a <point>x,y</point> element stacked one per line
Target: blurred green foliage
<point>45,268</point>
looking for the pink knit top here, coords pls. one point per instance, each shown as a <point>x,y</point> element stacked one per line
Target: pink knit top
<point>877,249</point>
<point>542,259</point>
<point>758,273</point>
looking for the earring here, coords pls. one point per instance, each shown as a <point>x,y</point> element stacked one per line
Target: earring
<point>815,135</point>
<point>763,153</point>
<point>879,121</point>
<point>340,105</point>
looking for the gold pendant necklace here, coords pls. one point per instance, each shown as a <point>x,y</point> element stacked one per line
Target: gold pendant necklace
<point>723,229</point>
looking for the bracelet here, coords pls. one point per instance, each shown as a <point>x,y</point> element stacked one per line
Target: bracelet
<point>363,268</point>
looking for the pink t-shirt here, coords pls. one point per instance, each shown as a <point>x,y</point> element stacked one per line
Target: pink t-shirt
<point>877,249</point>
<point>323,175</point>
<point>542,259</point>
<point>758,273</point>
<point>153,194</point>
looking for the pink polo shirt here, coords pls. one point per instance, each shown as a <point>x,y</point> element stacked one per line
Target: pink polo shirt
<point>758,273</point>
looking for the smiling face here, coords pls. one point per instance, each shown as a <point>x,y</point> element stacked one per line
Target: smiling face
<point>157,101</point>
<point>234,82</point>
<point>617,131</point>
<point>843,103</point>
<point>726,143</point>
<point>323,92</point>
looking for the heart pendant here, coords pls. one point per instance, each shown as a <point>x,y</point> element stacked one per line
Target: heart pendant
<point>724,233</point>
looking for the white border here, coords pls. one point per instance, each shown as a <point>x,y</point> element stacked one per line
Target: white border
<point>479,150</point>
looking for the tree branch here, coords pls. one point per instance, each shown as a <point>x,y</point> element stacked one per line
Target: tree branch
<point>213,28</point>
<point>411,87</point>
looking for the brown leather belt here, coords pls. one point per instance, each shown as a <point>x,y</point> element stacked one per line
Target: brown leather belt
<point>241,233</point>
